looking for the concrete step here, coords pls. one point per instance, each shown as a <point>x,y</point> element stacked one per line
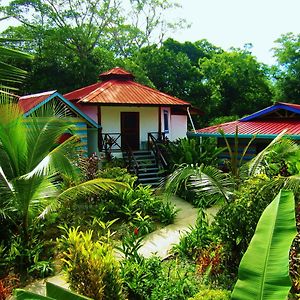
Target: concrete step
<point>150,179</point>
<point>148,174</point>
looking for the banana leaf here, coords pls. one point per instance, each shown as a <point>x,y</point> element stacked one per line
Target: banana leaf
<point>264,268</point>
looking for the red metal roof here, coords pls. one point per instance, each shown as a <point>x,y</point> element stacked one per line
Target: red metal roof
<point>116,71</point>
<point>30,101</point>
<point>122,90</point>
<point>254,127</point>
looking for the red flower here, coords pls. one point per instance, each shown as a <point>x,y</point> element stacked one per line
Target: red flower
<point>136,231</point>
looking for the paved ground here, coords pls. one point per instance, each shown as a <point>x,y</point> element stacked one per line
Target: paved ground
<point>158,242</point>
<point>161,241</point>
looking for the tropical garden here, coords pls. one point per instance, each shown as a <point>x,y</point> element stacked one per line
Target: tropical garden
<point>61,212</point>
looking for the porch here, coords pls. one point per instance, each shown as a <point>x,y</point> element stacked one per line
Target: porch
<point>147,161</point>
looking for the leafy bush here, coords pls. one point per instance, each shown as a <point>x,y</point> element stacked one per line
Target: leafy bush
<point>192,151</point>
<point>167,213</point>
<point>34,259</point>
<point>151,279</point>
<point>117,174</point>
<point>235,223</point>
<point>91,267</point>
<point>198,238</point>
<point>208,294</point>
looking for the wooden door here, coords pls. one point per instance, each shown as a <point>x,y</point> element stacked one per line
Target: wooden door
<point>130,130</point>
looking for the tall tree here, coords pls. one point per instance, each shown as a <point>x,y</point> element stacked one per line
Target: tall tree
<point>288,68</point>
<point>75,40</point>
<point>237,82</point>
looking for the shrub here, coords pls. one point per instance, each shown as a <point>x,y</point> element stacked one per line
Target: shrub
<point>198,238</point>
<point>151,279</point>
<point>91,267</point>
<point>235,223</point>
<point>208,294</point>
<point>117,174</point>
<point>192,151</point>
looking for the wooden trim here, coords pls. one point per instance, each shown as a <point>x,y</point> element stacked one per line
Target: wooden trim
<point>159,120</point>
<point>100,140</point>
<point>99,115</point>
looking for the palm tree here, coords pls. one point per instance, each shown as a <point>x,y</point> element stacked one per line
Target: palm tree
<point>10,74</point>
<point>32,166</point>
<point>209,180</point>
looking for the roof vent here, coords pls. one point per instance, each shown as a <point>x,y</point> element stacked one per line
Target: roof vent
<point>116,73</point>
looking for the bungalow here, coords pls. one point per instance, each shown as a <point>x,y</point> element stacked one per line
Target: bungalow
<point>119,115</point>
<point>130,114</point>
<point>265,124</point>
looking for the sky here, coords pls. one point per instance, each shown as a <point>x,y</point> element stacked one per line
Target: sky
<point>233,23</point>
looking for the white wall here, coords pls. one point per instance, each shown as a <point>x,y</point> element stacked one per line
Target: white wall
<point>178,127</point>
<point>111,119</point>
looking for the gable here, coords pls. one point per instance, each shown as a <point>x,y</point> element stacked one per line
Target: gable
<point>31,103</point>
<point>278,111</point>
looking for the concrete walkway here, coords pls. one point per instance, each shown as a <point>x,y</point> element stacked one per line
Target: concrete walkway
<point>161,241</point>
<point>158,242</point>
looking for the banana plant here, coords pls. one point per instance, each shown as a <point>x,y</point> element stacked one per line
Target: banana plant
<point>264,269</point>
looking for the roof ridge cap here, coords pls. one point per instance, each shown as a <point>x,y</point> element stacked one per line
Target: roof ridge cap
<point>37,95</point>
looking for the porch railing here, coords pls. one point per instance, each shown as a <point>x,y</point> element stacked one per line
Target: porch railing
<point>110,142</point>
<point>155,139</point>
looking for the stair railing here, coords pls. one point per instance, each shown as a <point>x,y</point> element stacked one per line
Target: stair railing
<point>132,160</point>
<point>153,144</point>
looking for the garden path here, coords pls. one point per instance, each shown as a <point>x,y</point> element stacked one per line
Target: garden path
<point>158,242</point>
<point>161,241</point>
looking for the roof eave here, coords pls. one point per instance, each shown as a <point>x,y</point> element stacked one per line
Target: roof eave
<point>243,136</point>
<point>68,103</point>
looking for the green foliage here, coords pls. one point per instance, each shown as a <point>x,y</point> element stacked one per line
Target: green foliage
<point>57,292</point>
<point>223,119</point>
<point>52,292</point>
<point>91,38</point>
<point>264,269</point>
<point>235,163</point>
<point>131,244</point>
<point>11,75</point>
<point>167,213</point>
<point>91,267</point>
<point>287,73</point>
<point>207,181</point>
<point>235,223</point>
<point>237,83</point>
<point>152,279</point>
<point>207,294</point>
<point>198,238</point>
<point>117,174</point>
<point>191,151</point>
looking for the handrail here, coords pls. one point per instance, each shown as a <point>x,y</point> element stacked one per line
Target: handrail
<point>153,145</point>
<point>131,158</point>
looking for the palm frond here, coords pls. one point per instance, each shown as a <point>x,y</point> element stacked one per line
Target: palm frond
<point>91,187</point>
<point>202,179</point>
<point>291,183</point>
<point>254,166</point>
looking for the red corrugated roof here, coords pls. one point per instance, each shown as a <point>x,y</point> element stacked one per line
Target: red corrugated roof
<point>30,101</point>
<point>116,71</point>
<point>122,90</point>
<point>254,127</point>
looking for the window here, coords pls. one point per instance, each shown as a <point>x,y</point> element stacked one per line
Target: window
<point>166,121</point>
